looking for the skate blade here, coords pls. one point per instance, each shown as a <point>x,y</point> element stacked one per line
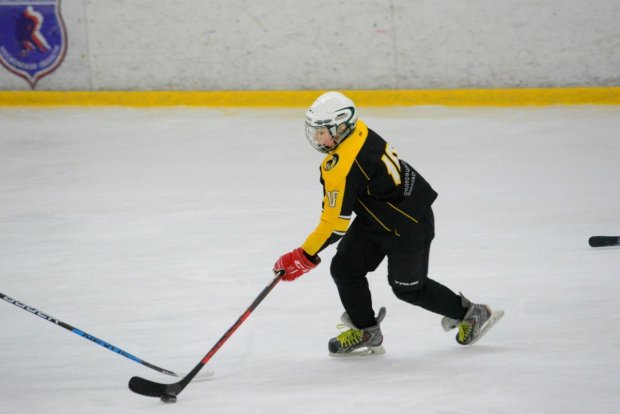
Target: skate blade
<point>361,352</point>
<point>496,315</point>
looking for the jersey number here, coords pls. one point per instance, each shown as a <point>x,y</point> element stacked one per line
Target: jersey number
<point>390,159</point>
<point>332,197</point>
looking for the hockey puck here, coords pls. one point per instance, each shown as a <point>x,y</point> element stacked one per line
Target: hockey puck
<point>169,398</point>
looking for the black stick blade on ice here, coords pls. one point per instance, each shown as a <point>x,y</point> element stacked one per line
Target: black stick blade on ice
<point>148,388</point>
<point>168,392</point>
<point>165,392</point>
<point>604,241</point>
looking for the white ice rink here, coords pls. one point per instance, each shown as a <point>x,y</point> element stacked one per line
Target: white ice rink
<point>154,229</point>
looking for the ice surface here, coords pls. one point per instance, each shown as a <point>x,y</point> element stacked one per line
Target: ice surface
<point>154,229</point>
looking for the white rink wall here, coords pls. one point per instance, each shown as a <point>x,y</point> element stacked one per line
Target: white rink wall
<point>322,44</point>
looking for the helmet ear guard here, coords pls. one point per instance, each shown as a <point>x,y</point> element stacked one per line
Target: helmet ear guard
<point>335,112</point>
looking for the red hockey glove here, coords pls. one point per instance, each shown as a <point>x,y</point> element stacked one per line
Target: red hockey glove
<point>295,264</point>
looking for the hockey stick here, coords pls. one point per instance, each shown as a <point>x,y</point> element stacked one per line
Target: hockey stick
<point>603,241</point>
<point>168,392</point>
<point>85,335</point>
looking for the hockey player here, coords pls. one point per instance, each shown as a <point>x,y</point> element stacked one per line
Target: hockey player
<point>363,174</point>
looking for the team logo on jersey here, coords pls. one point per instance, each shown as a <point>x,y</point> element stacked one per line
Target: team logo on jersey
<point>331,163</point>
<point>32,37</point>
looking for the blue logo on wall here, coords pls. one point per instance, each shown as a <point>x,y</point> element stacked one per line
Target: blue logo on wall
<point>33,40</point>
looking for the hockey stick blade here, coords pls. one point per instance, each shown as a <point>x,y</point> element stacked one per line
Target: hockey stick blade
<point>168,392</point>
<point>149,388</point>
<point>604,241</point>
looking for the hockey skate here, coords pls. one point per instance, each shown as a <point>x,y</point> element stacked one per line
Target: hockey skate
<point>448,323</point>
<point>357,342</point>
<point>476,323</point>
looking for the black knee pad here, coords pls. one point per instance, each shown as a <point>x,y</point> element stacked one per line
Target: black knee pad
<point>411,295</point>
<point>344,272</point>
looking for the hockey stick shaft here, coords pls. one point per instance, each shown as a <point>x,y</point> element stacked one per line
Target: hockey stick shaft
<point>153,389</point>
<point>85,335</point>
<point>604,241</point>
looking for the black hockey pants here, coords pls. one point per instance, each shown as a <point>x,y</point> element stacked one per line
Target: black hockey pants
<point>361,250</point>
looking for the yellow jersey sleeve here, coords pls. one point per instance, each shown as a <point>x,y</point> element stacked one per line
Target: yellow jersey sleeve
<point>331,221</point>
<point>335,169</point>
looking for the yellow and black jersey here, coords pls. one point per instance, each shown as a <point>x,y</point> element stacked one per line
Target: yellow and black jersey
<point>364,175</point>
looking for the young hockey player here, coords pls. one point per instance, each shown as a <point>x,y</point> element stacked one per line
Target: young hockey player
<point>363,174</point>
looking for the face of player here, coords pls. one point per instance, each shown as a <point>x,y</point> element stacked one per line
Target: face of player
<point>324,138</point>
<point>320,138</point>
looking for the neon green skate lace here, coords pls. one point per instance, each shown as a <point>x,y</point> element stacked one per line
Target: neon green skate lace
<point>350,337</point>
<point>464,331</point>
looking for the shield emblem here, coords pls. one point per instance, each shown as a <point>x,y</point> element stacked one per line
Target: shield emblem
<point>33,39</point>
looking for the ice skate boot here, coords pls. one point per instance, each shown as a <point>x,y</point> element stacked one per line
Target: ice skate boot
<point>357,342</point>
<point>448,323</point>
<point>477,321</point>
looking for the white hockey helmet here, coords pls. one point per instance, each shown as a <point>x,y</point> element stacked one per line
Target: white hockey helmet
<point>333,113</point>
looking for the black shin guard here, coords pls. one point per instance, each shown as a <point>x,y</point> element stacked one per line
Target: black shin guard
<point>435,297</point>
<point>354,293</point>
